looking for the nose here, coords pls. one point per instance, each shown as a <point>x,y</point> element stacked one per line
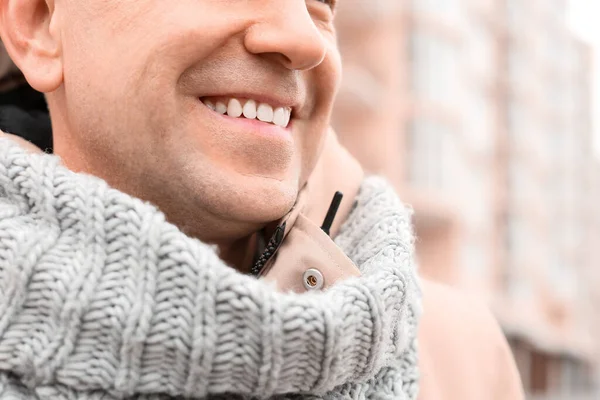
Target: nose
<point>287,33</point>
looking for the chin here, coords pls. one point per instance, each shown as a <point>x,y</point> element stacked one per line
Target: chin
<point>249,202</point>
<point>266,200</point>
<point>237,197</point>
<point>256,195</point>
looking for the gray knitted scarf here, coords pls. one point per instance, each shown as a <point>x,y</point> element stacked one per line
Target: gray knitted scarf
<point>101,298</point>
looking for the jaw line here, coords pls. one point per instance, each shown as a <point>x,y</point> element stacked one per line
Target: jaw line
<point>263,177</point>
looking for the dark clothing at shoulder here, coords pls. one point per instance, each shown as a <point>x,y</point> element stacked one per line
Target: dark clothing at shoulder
<point>23,112</point>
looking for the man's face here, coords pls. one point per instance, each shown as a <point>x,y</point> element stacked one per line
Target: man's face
<point>153,91</point>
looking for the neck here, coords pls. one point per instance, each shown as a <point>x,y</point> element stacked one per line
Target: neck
<point>236,245</point>
<point>240,253</point>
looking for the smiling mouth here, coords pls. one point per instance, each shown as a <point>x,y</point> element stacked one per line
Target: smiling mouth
<point>249,109</point>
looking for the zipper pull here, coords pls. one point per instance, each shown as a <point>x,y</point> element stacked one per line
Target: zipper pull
<point>270,249</point>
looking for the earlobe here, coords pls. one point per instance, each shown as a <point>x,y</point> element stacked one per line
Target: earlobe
<point>31,36</point>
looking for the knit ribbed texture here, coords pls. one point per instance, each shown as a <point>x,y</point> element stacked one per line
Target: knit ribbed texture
<point>101,298</point>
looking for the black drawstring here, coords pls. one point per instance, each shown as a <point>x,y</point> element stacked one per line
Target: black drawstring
<point>333,209</point>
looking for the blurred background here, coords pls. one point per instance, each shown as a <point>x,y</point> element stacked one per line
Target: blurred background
<point>481,113</point>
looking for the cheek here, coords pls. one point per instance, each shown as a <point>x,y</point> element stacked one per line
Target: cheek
<point>329,74</point>
<point>311,151</point>
<point>324,81</point>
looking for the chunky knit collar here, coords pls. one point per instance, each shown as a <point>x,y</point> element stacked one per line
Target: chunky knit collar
<point>99,294</point>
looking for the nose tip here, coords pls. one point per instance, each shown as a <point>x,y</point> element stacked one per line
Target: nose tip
<point>299,56</point>
<point>289,37</point>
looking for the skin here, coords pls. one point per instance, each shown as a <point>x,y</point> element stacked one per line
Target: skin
<point>123,80</point>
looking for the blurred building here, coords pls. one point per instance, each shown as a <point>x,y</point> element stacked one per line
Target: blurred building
<point>479,111</point>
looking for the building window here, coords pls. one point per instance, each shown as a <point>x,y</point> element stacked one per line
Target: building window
<point>479,122</point>
<point>475,255</point>
<point>514,236</point>
<point>517,66</point>
<point>434,68</point>
<point>517,13</point>
<point>480,49</point>
<point>432,156</point>
<point>448,9</point>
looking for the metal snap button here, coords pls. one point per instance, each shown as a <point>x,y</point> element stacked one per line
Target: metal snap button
<point>313,279</point>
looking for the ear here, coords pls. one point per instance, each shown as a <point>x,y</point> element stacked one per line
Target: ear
<point>29,31</point>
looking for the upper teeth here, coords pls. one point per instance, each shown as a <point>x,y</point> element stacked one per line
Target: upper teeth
<point>279,116</point>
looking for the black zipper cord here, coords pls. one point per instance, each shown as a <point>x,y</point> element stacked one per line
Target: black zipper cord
<point>333,209</point>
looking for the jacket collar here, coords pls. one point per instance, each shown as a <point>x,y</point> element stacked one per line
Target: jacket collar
<point>298,244</point>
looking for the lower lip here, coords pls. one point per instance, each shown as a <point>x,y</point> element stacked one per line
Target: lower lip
<point>254,126</point>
